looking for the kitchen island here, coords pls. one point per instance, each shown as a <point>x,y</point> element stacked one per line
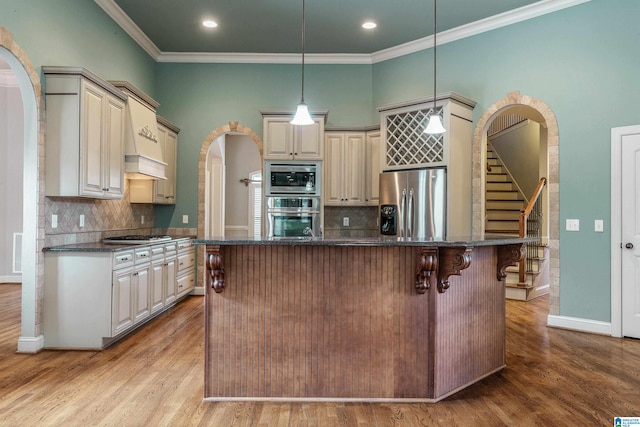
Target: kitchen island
<point>373,319</point>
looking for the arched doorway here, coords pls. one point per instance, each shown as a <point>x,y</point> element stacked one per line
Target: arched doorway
<point>538,111</point>
<point>31,338</point>
<point>205,170</point>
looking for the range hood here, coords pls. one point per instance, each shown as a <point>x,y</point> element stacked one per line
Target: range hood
<point>143,154</point>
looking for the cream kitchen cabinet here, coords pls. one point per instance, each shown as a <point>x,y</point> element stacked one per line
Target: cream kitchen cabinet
<point>284,141</point>
<point>85,135</point>
<point>373,167</point>
<point>164,190</point>
<point>95,295</point>
<point>185,275</point>
<point>163,275</point>
<point>344,169</point>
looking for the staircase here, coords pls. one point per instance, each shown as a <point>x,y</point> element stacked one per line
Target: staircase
<point>503,201</point>
<point>503,204</point>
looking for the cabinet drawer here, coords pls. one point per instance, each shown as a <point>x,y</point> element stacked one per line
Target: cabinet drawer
<point>142,255</point>
<point>157,252</point>
<point>187,260</point>
<point>184,244</point>
<point>170,247</point>
<point>186,282</point>
<point>122,260</point>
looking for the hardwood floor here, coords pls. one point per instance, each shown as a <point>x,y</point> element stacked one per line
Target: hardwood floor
<point>154,377</point>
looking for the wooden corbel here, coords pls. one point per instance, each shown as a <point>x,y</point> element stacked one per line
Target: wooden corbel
<point>215,269</point>
<point>427,264</point>
<point>509,255</point>
<point>451,261</point>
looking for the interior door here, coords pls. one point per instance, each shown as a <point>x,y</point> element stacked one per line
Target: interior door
<point>630,155</point>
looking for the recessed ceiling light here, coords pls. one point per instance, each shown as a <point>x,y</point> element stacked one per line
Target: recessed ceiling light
<point>369,25</point>
<point>210,24</point>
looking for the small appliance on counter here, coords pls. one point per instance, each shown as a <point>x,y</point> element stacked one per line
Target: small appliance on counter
<point>413,203</point>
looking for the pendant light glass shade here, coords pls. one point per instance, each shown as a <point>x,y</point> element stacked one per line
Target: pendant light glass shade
<point>435,125</point>
<point>302,116</point>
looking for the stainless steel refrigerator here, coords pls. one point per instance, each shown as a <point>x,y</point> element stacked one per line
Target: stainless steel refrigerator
<point>413,203</point>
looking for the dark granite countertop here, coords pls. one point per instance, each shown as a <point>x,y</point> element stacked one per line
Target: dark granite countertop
<point>105,247</point>
<point>361,241</point>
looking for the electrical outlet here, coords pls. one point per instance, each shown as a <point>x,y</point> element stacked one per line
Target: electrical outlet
<point>573,225</point>
<point>141,219</point>
<point>598,226</point>
<point>345,221</point>
<point>54,221</point>
<point>185,219</point>
<point>81,220</point>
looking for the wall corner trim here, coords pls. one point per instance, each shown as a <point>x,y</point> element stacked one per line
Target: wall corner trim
<point>30,344</point>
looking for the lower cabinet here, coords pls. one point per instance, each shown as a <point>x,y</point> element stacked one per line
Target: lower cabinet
<point>185,275</point>
<point>94,298</point>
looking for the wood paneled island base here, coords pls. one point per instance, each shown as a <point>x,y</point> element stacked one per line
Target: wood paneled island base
<point>365,320</point>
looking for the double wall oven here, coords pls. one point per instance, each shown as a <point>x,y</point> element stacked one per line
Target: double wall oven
<point>292,199</point>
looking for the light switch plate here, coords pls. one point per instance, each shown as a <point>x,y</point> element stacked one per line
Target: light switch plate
<point>345,221</point>
<point>81,220</point>
<point>598,226</point>
<point>573,225</point>
<point>141,219</point>
<point>54,221</point>
<point>185,219</point>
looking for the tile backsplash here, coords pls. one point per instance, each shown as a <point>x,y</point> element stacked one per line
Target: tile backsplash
<point>362,221</point>
<point>102,218</point>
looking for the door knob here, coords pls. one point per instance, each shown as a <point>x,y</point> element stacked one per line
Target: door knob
<point>629,246</point>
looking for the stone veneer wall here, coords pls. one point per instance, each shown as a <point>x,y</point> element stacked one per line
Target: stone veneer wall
<point>362,221</point>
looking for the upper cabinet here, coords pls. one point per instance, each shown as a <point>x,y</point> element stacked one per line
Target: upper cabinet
<point>372,169</point>
<point>85,135</point>
<point>344,167</point>
<point>164,191</point>
<point>285,141</point>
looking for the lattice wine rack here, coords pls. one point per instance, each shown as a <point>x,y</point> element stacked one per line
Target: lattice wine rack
<point>406,142</point>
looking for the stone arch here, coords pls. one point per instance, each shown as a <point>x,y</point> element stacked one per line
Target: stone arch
<point>547,118</point>
<point>231,127</point>
<point>31,339</point>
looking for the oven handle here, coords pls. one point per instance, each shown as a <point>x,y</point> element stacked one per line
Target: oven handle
<point>291,211</point>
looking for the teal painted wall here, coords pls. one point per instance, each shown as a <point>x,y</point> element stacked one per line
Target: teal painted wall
<point>583,63</point>
<point>199,98</point>
<point>580,61</point>
<point>77,33</point>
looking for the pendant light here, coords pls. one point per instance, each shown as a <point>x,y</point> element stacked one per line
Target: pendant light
<point>434,126</point>
<point>302,116</point>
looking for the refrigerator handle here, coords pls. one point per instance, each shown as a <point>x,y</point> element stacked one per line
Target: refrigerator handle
<point>403,211</point>
<point>410,215</point>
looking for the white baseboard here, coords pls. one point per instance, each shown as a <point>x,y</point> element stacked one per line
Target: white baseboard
<point>11,279</point>
<point>30,344</point>
<point>198,290</point>
<point>578,324</point>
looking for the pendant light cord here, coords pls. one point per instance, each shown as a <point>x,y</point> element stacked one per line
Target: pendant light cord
<point>434,54</point>
<point>302,100</point>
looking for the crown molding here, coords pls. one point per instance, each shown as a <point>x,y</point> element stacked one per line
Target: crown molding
<point>8,79</point>
<point>521,14</point>
<point>123,20</point>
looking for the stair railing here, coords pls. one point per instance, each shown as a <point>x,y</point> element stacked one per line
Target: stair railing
<point>531,226</point>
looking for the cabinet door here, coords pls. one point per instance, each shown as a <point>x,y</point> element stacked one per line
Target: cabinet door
<point>186,282</point>
<point>170,280</point>
<point>353,169</point>
<point>114,148</point>
<point>333,180</point>
<point>91,134</point>
<point>372,169</point>
<point>122,315</point>
<point>278,139</point>
<point>308,141</point>
<point>142,290</point>
<point>157,285</point>
<point>165,189</point>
